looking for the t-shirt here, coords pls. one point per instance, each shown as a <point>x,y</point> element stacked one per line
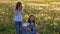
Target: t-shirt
<point>18,17</point>
<point>27,24</point>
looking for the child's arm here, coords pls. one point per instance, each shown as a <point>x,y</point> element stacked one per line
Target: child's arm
<point>28,29</point>
<point>39,27</point>
<point>25,27</point>
<point>36,28</point>
<point>21,12</point>
<point>15,12</point>
<point>44,24</point>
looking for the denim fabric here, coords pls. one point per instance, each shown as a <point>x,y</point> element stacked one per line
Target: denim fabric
<point>32,31</point>
<point>18,25</point>
<point>24,31</point>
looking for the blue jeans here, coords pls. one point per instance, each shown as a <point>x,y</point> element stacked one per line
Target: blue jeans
<point>18,25</point>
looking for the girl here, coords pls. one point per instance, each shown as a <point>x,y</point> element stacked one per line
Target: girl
<point>30,26</point>
<point>18,17</point>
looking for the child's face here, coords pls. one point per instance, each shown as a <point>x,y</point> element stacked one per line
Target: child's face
<point>32,18</point>
<point>20,7</point>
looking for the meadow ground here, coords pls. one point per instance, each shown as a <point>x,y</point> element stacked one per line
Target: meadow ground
<point>45,12</point>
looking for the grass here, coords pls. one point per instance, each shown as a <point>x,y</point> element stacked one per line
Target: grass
<point>44,15</point>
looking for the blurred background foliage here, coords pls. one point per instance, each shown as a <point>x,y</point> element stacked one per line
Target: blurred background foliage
<point>46,11</point>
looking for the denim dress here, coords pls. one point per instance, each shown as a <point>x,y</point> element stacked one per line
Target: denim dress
<point>31,26</point>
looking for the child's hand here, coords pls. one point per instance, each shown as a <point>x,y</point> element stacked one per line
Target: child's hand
<point>37,33</point>
<point>28,29</point>
<point>37,27</point>
<point>21,11</point>
<point>44,24</point>
<point>34,28</point>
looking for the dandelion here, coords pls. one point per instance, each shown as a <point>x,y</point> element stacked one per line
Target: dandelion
<point>56,18</point>
<point>42,14</point>
<point>51,24</point>
<point>2,12</point>
<point>49,17</point>
<point>55,23</point>
<point>7,13</point>
<point>26,16</point>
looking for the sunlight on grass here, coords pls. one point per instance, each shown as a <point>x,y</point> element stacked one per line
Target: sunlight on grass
<point>47,12</point>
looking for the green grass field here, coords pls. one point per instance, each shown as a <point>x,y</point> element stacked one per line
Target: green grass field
<point>47,11</point>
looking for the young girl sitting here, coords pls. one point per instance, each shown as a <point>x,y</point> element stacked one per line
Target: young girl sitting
<point>30,26</point>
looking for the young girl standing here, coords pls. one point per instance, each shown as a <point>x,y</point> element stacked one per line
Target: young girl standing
<point>18,17</point>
